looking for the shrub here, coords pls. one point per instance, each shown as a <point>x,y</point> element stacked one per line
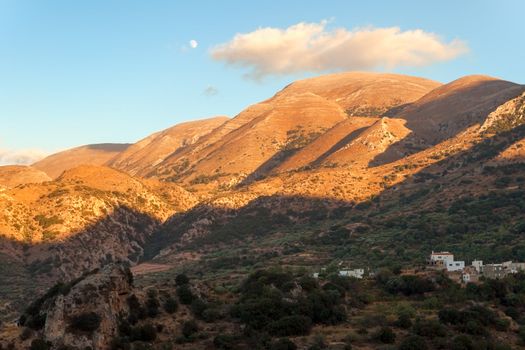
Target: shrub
<point>224,341</point>
<point>40,344</point>
<point>211,315</point>
<point>198,306</point>
<point>318,343</point>
<point>171,305</point>
<point>189,328</point>
<point>413,343</point>
<point>462,342</point>
<point>290,325</point>
<point>283,344</point>
<point>86,322</point>
<point>386,335</point>
<point>146,332</point>
<point>152,306</point>
<point>521,334</point>
<point>403,320</point>
<point>449,316</point>
<point>429,328</point>
<point>185,294</point>
<point>182,279</point>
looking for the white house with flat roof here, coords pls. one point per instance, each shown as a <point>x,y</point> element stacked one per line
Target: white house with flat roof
<point>455,265</point>
<point>478,265</point>
<point>438,258</point>
<point>356,273</point>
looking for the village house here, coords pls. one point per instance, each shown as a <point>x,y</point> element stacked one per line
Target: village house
<point>478,265</point>
<point>445,260</point>
<point>470,274</point>
<point>355,273</point>
<point>494,271</point>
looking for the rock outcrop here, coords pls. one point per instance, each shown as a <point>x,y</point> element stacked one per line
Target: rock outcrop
<point>83,314</point>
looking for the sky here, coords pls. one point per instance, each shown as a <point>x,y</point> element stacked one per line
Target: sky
<point>97,71</point>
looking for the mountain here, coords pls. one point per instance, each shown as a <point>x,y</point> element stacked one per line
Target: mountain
<point>96,154</point>
<point>351,170</point>
<point>14,175</point>
<point>263,136</point>
<point>141,157</point>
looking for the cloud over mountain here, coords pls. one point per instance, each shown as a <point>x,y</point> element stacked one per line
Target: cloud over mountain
<point>23,156</point>
<point>312,47</point>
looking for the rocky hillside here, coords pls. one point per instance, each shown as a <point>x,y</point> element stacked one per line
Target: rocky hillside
<point>14,175</point>
<point>83,313</point>
<point>97,154</point>
<point>264,136</point>
<point>88,217</point>
<point>142,157</point>
<point>322,169</point>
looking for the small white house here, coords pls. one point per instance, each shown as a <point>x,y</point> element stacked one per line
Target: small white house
<point>437,258</point>
<point>465,277</point>
<point>478,265</point>
<point>315,275</point>
<point>356,273</point>
<point>455,265</point>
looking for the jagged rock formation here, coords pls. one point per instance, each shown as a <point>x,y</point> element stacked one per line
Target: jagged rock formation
<point>84,313</point>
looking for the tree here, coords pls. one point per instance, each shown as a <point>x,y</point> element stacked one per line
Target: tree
<point>171,305</point>
<point>185,294</point>
<point>182,279</point>
<point>189,328</point>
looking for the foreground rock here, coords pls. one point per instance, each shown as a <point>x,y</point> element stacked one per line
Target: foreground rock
<point>84,313</point>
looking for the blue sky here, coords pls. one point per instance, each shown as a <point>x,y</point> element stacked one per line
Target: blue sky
<point>79,72</point>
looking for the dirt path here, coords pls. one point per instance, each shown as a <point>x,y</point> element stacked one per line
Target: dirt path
<point>145,268</point>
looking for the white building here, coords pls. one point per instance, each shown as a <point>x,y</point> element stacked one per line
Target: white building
<point>478,265</point>
<point>465,277</point>
<point>455,265</point>
<point>439,258</point>
<point>315,275</point>
<point>356,273</point>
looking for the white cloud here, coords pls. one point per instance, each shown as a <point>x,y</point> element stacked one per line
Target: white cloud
<point>210,91</point>
<point>23,156</point>
<point>312,47</point>
<point>194,44</point>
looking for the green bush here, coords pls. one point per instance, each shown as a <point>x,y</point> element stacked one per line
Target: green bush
<point>224,341</point>
<point>146,332</point>
<point>386,335</point>
<point>40,344</point>
<point>290,326</point>
<point>189,328</point>
<point>185,294</point>
<point>171,305</point>
<point>413,342</point>
<point>429,328</point>
<point>182,279</point>
<point>462,342</point>
<point>283,344</point>
<point>198,306</point>
<point>86,322</point>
